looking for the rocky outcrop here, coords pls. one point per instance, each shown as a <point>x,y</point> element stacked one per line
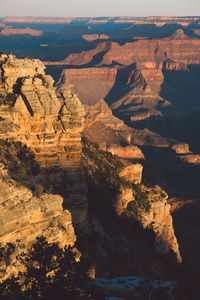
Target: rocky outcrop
<point>158,218</point>
<point>184,155</point>
<point>190,159</point>
<point>171,65</point>
<point>100,112</point>
<point>179,35</point>
<point>150,208</point>
<point>181,148</point>
<point>25,216</point>
<point>110,132</point>
<point>49,126</point>
<point>133,174</point>
<point>94,37</point>
<point>128,152</point>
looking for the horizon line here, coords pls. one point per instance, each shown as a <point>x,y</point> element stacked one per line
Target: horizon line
<point>125,16</point>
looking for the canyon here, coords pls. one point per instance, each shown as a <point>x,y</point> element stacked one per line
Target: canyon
<point>132,86</point>
<point>52,201</point>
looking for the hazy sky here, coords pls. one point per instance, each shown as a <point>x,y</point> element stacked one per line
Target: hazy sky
<point>81,8</point>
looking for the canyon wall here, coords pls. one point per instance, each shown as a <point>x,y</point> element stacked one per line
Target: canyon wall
<point>92,84</point>
<point>25,216</point>
<point>49,126</point>
<point>177,47</point>
<point>159,219</point>
<point>154,213</point>
<point>145,82</point>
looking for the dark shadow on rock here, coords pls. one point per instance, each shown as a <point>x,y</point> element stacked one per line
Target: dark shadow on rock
<point>122,84</point>
<point>176,176</point>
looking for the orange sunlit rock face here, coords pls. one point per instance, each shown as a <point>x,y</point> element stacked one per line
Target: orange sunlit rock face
<point>51,128</point>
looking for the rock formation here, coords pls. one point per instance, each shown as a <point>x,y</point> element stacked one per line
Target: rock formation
<point>25,216</point>
<point>146,83</point>
<point>159,219</point>
<point>16,31</point>
<point>92,84</point>
<point>154,213</point>
<point>94,37</point>
<point>141,51</point>
<point>128,152</point>
<point>51,128</point>
<point>131,173</point>
<point>181,148</point>
<point>135,79</point>
<point>31,114</point>
<point>110,132</point>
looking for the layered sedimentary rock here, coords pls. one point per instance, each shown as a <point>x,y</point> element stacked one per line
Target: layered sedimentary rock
<point>150,84</point>
<point>49,126</point>
<point>156,216</point>
<point>25,216</point>
<point>174,48</point>
<point>148,50</point>
<point>181,148</point>
<point>129,151</point>
<point>92,84</point>
<point>139,81</point>
<point>136,90</point>
<point>132,173</point>
<point>85,57</point>
<point>110,132</point>
<point>100,112</point>
<point>159,219</point>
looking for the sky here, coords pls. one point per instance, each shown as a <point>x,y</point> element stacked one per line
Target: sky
<point>98,8</point>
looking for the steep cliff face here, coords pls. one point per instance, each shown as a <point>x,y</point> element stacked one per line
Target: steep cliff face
<point>92,84</point>
<point>25,216</point>
<point>139,81</point>
<point>175,48</point>
<point>150,207</point>
<point>115,184</point>
<point>159,219</point>
<point>32,114</point>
